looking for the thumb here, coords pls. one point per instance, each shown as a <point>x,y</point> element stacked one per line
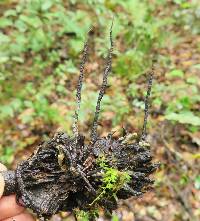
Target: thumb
<point>2,183</point>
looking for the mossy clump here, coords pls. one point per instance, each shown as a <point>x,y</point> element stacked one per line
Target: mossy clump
<point>112,181</point>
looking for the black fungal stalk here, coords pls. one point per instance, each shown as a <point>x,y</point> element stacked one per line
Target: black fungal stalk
<point>68,174</point>
<point>146,105</point>
<point>102,89</point>
<point>80,83</point>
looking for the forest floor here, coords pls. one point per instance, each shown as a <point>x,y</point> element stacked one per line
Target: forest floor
<point>176,193</point>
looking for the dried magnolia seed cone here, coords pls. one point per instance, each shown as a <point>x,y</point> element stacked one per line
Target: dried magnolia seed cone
<point>65,173</point>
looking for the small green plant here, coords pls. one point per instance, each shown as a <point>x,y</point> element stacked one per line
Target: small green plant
<point>112,181</point>
<point>115,217</point>
<point>82,215</point>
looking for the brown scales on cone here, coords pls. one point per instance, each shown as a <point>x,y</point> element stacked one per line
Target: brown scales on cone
<point>64,173</point>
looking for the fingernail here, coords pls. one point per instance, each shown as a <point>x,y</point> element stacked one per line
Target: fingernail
<point>2,167</point>
<point>2,185</point>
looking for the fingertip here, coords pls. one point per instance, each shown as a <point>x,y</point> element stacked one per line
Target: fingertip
<point>21,217</point>
<point>9,207</point>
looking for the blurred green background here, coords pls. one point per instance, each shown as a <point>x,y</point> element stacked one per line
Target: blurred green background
<point>40,50</point>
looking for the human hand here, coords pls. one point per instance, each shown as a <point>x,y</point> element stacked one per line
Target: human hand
<point>9,209</point>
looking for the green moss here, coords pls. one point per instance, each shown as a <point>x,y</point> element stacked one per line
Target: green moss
<point>112,180</point>
<point>82,215</point>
